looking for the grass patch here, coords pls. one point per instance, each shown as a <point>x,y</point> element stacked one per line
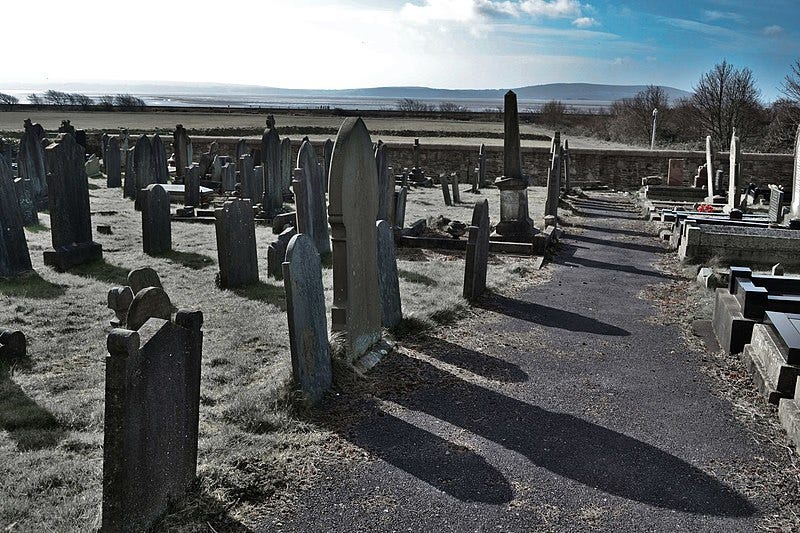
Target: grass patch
<point>101,270</point>
<point>37,228</point>
<point>416,277</point>
<point>31,285</point>
<point>191,260</point>
<point>263,292</point>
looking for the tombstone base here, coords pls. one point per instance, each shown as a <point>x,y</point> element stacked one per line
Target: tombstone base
<point>515,231</point>
<point>773,376</point>
<point>63,259</point>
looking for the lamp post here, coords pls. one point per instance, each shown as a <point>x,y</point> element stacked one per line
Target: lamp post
<point>653,137</point>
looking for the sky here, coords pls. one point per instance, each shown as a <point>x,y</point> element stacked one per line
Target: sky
<point>323,44</point>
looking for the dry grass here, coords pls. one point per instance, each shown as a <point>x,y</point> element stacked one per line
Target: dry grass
<point>257,448</point>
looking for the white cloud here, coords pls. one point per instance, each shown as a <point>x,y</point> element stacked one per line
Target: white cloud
<point>551,9</point>
<point>723,15</point>
<point>471,10</point>
<point>772,31</point>
<point>584,22</point>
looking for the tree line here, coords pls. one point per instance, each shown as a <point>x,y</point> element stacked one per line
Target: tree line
<point>109,102</point>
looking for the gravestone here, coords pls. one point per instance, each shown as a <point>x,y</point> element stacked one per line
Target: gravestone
<point>181,146</point>
<point>229,176</point>
<point>92,166</point>
<point>152,404</point>
<point>482,166</point>
<point>286,167</point>
<point>258,183</point>
<point>141,278</point>
<point>247,176</point>
<point>734,175</point>
<point>256,153</point>
<point>129,186</point>
<point>15,258</point>
<point>565,162</point>
<point>327,153</point>
<point>385,184</point>
<point>454,183</point>
<point>236,244</point>
<point>143,166</point>
<point>70,216</point>
<point>149,302</point>
<point>276,252</point>
<point>27,205</point>
<point>13,345</point>
<point>356,306</point>
<point>216,167</point>
<point>156,228</point>
<point>445,190</point>
<point>305,311</point>
<point>104,145</point>
<point>776,205</point>
<point>515,223</point>
<point>710,156</point>
<point>241,149</point>
<point>313,205</point>
<point>113,164</point>
<point>31,161</point>
<point>400,208</point>
<point>271,152</point>
<point>160,168</point>
<point>191,186</point>
<point>477,252</point>
<point>553,184</point>
<point>796,177</point>
<point>388,281</point>
<point>675,172</point>
<point>67,127</point>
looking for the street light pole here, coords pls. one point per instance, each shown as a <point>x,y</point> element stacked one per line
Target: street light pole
<point>653,137</point>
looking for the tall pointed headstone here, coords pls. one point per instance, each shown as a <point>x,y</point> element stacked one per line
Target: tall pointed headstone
<point>314,202</point>
<point>710,156</point>
<point>734,176</point>
<point>353,192</point>
<point>271,153</point>
<point>14,256</point>
<point>181,144</point>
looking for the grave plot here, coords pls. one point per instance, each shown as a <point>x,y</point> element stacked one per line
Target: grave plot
<point>772,356</point>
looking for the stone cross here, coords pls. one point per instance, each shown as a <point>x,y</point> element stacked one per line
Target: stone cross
<point>515,223</point>
<point>734,174</point>
<point>710,156</point>
<point>308,325</point>
<point>477,252</point>
<point>181,145</point>
<point>236,244</point>
<point>388,280</point>
<point>156,225</point>
<point>314,204</point>
<point>286,167</point>
<point>15,258</point>
<point>160,168</point>
<point>113,162</point>
<point>796,177</point>
<point>70,215</point>
<point>352,209</point>
<point>152,409</point>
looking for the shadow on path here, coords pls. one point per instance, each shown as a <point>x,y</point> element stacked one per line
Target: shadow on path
<point>565,256</point>
<point>620,231</point>
<point>476,362</point>
<point>620,244</point>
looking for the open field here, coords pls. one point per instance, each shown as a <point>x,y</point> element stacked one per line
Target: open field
<point>257,449</point>
<point>430,131</point>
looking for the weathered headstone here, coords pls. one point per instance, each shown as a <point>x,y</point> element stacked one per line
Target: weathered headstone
<point>565,162</point>
<point>27,204</point>
<point>314,205</point>
<point>31,161</point>
<point>144,167</point>
<point>141,278</point>
<point>92,166</point>
<point>152,408</point>
<point>477,252</point>
<point>181,145</point>
<point>308,325</point>
<point>515,223</point>
<point>388,280</point>
<point>113,164</point>
<point>776,205</point>
<point>271,152</point>
<point>454,183</point>
<point>236,244</point>
<point>15,258</point>
<point>446,190</point>
<point>482,166</point>
<point>710,156</point>
<point>229,176</point>
<point>553,184</point>
<point>286,167</point>
<point>160,168</point>
<point>276,252</point>
<point>191,186</point>
<point>129,186</point>
<point>327,153</point>
<point>70,216</point>
<point>400,207</point>
<point>156,226</point>
<point>385,184</point>
<point>356,307</point>
<point>247,176</point>
<point>675,172</point>
<point>241,149</point>
<point>734,176</point>
<point>258,183</point>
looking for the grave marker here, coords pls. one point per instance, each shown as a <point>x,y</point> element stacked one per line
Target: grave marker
<point>156,225</point>
<point>113,162</point>
<point>236,244</point>
<point>181,145</point>
<point>276,252</point>
<point>796,176</point>
<point>385,184</point>
<point>271,152</point>
<point>31,160</point>
<point>160,168</point>
<point>400,208</point>
<point>314,205</point>
<point>454,183</point>
<point>675,172</point>
<point>191,186</point>
<point>286,167</point>
<point>388,281</point>
<point>26,202</point>
<point>129,187</point>
<point>734,174</point>
<point>477,252</point>
<point>710,156</point>
<point>15,258</point>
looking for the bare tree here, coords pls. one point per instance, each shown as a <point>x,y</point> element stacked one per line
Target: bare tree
<point>129,102</point>
<point>726,98</point>
<point>57,98</point>
<point>553,113</point>
<point>451,107</point>
<point>410,104</point>
<point>35,99</point>
<point>106,102</point>
<point>791,83</point>
<point>8,101</point>
<point>633,117</point>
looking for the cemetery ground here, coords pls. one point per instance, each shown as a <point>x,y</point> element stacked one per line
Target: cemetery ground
<point>259,447</point>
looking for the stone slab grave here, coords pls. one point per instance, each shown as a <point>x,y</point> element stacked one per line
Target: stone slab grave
<point>740,245</point>
<point>674,193</point>
<point>15,259</point>
<point>152,403</point>
<point>312,205</point>
<point>743,303</point>
<point>308,325</point>
<point>772,355</point>
<point>13,345</point>
<point>276,252</point>
<point>113,162</point>
<point>477,258</point>
<point>681,223</point>
<point>388,280</point>
<point>236,244</point>
<point>156,226</point>
<point>356,311</point>
<point>70,216</point>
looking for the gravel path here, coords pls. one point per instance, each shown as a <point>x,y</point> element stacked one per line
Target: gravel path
<point>564,408</point>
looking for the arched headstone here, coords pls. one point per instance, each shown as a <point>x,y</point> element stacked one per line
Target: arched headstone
<point>315,207</point>
<point>156,225</point>
<point>477,252</point>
